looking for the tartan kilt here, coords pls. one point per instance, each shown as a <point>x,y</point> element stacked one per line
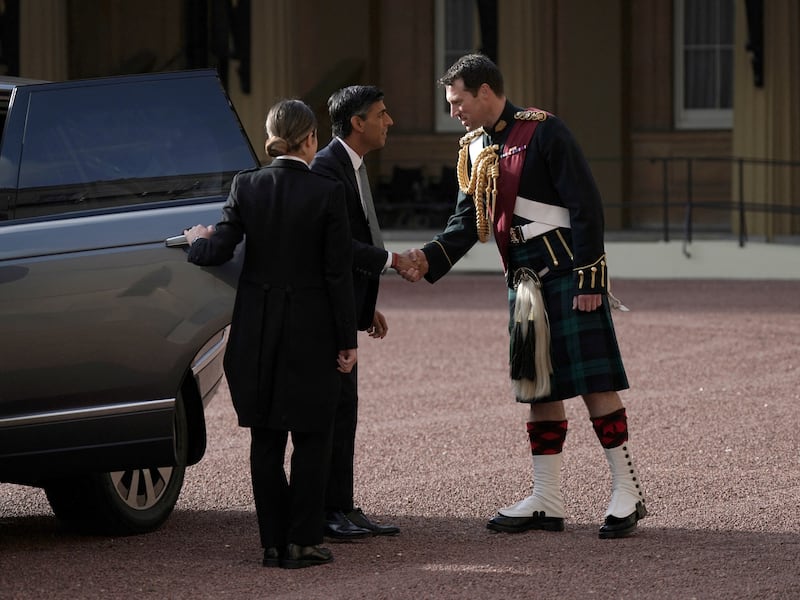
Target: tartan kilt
<point>583,345</point>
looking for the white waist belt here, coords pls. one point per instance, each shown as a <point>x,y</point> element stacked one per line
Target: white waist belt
<point>544,217</point>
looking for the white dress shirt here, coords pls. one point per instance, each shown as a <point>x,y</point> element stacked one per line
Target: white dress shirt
<point>357,160</point>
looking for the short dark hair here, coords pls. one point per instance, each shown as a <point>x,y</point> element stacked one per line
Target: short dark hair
<point>354,100</point>
<point>474,70</point>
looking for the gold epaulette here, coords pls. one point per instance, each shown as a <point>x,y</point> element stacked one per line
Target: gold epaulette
<point>468,138</point>
<point>596,272</point>
<point>530,115</point>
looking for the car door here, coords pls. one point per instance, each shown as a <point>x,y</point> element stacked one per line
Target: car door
<point>98,318</point>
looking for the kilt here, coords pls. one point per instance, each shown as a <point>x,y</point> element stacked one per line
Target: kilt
<point>583,345</point>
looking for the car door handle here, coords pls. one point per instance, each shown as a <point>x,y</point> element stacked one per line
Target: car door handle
<point>176,241</point>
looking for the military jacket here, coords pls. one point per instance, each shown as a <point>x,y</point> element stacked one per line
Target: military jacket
<point>554,172</point>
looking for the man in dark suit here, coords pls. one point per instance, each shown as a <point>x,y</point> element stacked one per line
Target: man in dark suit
<point>360,123</point>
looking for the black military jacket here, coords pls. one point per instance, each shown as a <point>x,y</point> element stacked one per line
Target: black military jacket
<point>555,172</point>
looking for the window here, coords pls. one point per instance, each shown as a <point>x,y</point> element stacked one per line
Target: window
<point>704,64</point>
<point>133,141</point>
<point>462,27</point>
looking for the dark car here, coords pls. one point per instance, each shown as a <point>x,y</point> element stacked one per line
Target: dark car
<point>111,343</point>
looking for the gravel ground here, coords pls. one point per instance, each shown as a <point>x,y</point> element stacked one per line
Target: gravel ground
<point>712,409</point>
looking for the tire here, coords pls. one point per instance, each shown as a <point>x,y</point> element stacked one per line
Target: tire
<point>122,502</point>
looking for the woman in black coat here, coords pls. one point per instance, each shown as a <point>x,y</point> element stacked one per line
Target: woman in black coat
<point>293,327</point>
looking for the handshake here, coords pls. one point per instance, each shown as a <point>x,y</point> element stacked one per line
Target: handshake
<point>411,264</point>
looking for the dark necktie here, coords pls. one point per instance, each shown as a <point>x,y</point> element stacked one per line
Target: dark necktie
<point>369,206</point>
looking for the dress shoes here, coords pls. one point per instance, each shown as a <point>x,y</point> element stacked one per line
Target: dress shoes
<point>538,520</point>
<point>339,527</point>
<point>618,527</point>
<point>359,519</point>
<point>272,558</point>
<point>299,557</point>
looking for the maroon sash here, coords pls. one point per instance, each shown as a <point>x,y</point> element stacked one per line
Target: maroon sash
<point>511,163</point>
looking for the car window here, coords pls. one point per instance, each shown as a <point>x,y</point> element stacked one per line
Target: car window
<point>99,146</point>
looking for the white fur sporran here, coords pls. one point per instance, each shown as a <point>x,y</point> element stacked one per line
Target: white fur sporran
<point>529,310</point>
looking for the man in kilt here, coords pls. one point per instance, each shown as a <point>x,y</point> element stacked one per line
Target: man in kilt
<point>523,177</point>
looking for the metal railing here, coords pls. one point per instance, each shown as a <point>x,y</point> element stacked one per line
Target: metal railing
<point>682,185</point>
<point>687,197</point>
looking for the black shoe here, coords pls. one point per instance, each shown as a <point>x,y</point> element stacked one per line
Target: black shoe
<point>619,527</point>
<point>272,557</point>
<point>338,526</point>
<point>359,519</point>
<point>298,557</point>
<point>537,520</point>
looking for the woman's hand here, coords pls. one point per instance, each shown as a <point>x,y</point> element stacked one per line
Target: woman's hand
<point>346,360</point>
<point>198,231</point>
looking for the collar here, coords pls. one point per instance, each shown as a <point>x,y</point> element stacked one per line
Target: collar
<point>354,157</point>
<point>500,129</point>
<point>289,157</point>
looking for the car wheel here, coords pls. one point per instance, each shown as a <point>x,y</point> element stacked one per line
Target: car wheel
<point>122,502</point>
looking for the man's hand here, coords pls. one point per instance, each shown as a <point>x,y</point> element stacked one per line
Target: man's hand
<point>379,328</point>
<point>412,264</point>
<point>587,302</point>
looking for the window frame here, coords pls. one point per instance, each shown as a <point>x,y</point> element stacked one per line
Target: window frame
<point>692,118</point>
<point>444,123</point>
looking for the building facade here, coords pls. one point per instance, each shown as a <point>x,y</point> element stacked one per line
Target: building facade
<point>687,109</point>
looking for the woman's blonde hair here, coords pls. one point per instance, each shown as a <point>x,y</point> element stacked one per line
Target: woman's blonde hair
<point>288,123</point>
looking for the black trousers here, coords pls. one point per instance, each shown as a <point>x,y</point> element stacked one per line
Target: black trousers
<point>289,510</point>
<point>339,494</point>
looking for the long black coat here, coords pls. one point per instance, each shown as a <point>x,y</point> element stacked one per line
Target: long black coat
<point>294,306</point>
<point>368,260</point>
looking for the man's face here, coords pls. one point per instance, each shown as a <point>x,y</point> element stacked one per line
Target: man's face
<point>470,109</point>
<point>376,125</point>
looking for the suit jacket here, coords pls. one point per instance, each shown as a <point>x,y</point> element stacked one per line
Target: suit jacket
<point>555,172</point>
<point>294,307</point>
<point>368,260</point>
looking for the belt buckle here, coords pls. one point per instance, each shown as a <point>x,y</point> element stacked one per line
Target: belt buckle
<point>516,235</point>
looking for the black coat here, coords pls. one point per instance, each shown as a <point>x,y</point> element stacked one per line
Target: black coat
<point>555,172</point>
<point>294,305</point>
<point>368,260</point>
